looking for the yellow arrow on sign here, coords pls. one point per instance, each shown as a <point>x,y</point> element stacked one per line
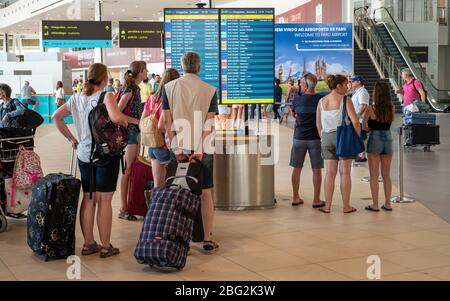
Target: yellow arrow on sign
<point>123,32</point>
<point>107,27</point>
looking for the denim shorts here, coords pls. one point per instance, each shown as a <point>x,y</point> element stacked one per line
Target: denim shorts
<point>380,143</point>
<point>299,150</point>
<point>163,155</point>
<point>105,177</point>
<point>133,135</point>
<point>329,148</point>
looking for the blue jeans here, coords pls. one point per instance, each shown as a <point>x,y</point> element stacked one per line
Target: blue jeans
<point>252,111</point>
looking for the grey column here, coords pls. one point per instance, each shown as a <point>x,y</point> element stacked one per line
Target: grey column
<point>5,42</point>
<point>98,52</point>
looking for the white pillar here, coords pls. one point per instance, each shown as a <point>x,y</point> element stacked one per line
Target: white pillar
<point>98,52</point>
<point>347,11</point>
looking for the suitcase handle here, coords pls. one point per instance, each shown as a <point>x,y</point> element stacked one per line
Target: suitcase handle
<point>73,163</point>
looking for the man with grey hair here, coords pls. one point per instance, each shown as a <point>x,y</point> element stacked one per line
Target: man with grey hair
<point>27,94</point>
<point>189,108</point>
<point>306,139</point>
<point>412,88</point>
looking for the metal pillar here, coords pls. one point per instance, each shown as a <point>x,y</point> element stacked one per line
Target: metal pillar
<point>98,52</point>
<point>5,42</point>
<point>401,198</point>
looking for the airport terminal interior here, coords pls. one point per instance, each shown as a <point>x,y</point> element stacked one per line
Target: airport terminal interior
<point>261,234</point>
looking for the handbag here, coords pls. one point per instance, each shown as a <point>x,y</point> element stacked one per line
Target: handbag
<point>348,142</point>
<point>60,102</point>
<point>29,119</point>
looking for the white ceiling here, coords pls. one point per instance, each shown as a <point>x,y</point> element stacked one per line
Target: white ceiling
<point>150,10</point>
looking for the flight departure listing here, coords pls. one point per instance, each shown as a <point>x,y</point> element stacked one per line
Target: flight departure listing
<point>193,30</point>
<point>247,56</point>
<point>76,34</point>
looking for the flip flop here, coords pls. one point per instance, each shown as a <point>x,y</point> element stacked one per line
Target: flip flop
<point>321,205</point>
<point>351,211</point>
<point>323,210</point>
<point>386,209</point>
<point>370,208</point>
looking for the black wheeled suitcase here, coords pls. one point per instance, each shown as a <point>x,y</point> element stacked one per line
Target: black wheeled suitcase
<point>52,215</point>
<point>421,134</point>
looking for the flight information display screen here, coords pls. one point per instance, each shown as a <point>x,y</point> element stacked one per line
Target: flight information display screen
<point>247,56</point>
<point>193,30</point>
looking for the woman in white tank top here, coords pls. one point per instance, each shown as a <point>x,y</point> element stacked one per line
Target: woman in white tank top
<point>329,117</point>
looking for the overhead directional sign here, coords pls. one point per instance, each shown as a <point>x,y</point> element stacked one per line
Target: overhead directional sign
<point>141,34</point>
<point>76,34</point>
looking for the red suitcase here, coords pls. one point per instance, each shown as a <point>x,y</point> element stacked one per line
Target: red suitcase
<point>141,175</point>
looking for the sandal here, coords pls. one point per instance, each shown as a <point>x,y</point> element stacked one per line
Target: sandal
<point>299,203</point>
<point>323,210</point>
<point>321,205</point>
<point>108,252</point>
<point>351,210</point>
<point>210,246</point>
<point>370,208</point>
<point>90,249</point>
<point>386,208</point>
<point>126,216</point>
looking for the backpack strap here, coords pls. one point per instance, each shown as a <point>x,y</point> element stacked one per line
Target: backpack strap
<point>101,98</point>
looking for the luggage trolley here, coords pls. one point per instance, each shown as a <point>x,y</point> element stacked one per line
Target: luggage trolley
<point>10,141</point>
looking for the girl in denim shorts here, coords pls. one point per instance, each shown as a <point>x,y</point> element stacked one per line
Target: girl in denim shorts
<point>378,121</point>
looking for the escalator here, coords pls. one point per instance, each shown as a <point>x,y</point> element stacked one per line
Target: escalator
<point>389,47</point>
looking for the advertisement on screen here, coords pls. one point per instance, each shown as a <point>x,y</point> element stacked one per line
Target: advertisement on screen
<point>320,49</point>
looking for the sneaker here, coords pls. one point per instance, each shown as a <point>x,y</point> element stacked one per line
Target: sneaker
<point>360,160</point>
<point>210,247</point>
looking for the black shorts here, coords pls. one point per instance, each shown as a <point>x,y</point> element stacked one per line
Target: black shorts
<point>105,177</point>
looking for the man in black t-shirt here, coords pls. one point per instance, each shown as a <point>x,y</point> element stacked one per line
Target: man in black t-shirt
<point>306,139</point>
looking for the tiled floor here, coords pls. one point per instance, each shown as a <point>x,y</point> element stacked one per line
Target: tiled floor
<point>284,243</point>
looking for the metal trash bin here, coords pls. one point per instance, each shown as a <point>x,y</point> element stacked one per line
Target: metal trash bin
<point>241,181</point>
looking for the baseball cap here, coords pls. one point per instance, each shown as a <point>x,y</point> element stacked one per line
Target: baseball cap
<point>358,78</point>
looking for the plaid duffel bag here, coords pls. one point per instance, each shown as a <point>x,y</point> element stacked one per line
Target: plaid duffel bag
<point>167,229</point>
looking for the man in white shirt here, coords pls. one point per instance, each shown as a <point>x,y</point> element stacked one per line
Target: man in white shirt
<point>361,101</point>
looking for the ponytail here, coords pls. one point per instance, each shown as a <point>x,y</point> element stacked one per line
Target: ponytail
<point>97,74</point>
<point>130,77</point>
